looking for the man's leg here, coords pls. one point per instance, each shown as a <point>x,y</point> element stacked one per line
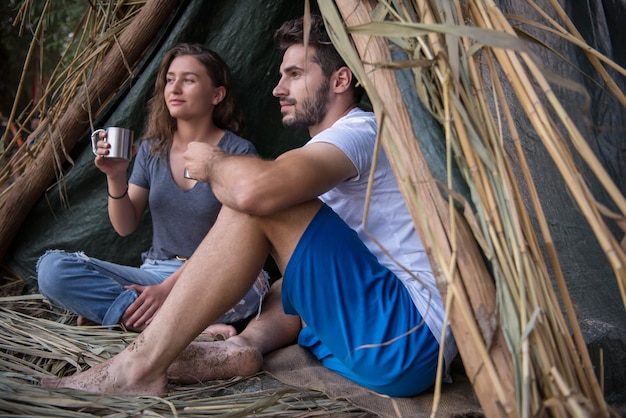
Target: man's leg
<point>216,277</point>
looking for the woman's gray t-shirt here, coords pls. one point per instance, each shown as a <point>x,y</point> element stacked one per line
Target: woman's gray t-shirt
<point>180,218</point>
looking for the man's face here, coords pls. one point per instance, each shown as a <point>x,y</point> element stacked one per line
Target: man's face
<point>302,89</point>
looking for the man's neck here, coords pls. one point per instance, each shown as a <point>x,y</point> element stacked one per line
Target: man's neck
<point>330,119</point>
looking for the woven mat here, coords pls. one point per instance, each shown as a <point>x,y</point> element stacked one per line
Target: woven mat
<point>295,366</point>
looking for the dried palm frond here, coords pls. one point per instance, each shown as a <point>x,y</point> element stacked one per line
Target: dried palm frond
<point>463,54</point>
<point>37,339</point>
<point>95,34</point>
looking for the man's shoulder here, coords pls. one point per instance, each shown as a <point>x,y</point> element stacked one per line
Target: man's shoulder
<point>359,121</point>
<point>358,114</point>
<point>353,133</point>
<point>356,119</point>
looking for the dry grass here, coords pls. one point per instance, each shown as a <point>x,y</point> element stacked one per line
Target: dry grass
<point>39,340</point>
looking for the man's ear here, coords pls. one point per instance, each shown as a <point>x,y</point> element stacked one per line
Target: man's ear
<point>342,79</point>
<point>219,95</point>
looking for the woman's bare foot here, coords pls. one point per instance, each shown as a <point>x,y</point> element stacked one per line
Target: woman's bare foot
<point>81,321</point>
<point>217,332</point>
<point>204,361</point>
<point>116,376</point>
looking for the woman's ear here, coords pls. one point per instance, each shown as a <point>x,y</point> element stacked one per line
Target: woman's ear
<point>220,93</point>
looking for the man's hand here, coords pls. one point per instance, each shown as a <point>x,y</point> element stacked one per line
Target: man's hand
<point>140,313</point>
<point>198,159</point>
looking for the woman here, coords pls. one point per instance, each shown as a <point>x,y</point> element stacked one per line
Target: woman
<point>192,102</point>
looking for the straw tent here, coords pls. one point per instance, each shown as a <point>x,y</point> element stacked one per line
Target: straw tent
<point>504,122</point>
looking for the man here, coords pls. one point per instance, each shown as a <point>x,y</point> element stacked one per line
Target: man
<point>376,323</point>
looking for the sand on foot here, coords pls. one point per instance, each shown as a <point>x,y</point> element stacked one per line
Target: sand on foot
<point>199,362</point>
<point>116,376</point>
<point>204,361</point>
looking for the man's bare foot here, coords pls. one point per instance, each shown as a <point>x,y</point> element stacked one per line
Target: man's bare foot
<point>217,332</point>
<point>116,376</point>
<point>204,361</point>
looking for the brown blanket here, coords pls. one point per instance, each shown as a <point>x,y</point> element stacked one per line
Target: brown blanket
<point>295,366</point>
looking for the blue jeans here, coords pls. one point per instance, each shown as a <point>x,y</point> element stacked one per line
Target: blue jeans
<point>94,289</point>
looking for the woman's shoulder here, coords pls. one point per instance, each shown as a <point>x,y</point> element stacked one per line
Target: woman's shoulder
<point>145,150</point>
<point>235,144</point>
<point>150,145</point>
<point>146,143</point>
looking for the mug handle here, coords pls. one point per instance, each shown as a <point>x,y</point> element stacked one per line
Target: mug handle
<point>94,140</point>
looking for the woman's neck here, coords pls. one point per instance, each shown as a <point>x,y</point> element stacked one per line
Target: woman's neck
<point>188,132</point>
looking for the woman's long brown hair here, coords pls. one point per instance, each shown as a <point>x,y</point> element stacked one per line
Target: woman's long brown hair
<point>160,125</point>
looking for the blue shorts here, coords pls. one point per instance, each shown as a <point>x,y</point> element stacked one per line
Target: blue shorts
<point>360,320</point>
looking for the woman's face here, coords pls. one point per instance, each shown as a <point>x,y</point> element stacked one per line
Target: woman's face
<point>189,91</point>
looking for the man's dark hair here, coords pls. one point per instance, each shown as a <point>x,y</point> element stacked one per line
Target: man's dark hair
<point>326,55</point>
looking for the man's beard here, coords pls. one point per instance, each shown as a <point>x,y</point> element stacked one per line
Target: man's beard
<point>312,110</point>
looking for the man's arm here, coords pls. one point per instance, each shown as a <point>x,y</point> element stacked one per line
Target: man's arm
<point>261,187</point>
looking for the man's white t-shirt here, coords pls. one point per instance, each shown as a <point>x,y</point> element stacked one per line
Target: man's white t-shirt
<point>388,231</point>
